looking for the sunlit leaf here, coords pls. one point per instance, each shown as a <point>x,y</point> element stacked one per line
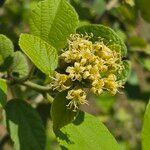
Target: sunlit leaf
<point>6,52</point>
<point>86,132</point>
<point>43,55</point>
<point>53,21</point>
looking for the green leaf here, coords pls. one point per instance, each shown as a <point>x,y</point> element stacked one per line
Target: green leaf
<point>3,92</point>
<point>43,55</point>
<point>85,133</point>
<point>145,62</point>
<point>19,67</point>
<point>105,102</point>
<point>98,7</point>
<point>13,134</point>
<point>31,131</point>
<point>6,46</point>
<point>128,15</point>
<point>6,52</point>
<point>125,72</point>
<point>115,47</point>
<point>33,3</point>
<point>146,129</point>
<point>133,79</point>
<point>137,42</point>
<point>82,9</point>
<point>53,21</point>
<point>108,35</point>
<point>61,115</point>
<point>1,59</point>
<point>88,10</point>
<point>143,5</point>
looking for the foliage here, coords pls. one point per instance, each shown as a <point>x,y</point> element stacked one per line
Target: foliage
<point>49,17</point>
<point>146,130</point>
<point>72,137</point>
<point>43,55</point>
<point>30,129</point>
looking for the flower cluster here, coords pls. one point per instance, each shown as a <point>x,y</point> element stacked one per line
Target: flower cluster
<point>87,66</point>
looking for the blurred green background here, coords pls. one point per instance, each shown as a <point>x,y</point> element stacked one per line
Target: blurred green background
<point>123,113</point>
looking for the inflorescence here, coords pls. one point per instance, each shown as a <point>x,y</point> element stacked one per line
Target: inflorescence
<point>87,66</point>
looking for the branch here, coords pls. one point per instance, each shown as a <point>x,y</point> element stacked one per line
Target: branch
<point>36,87</point>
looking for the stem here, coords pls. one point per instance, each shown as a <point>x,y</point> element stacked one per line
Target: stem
<point>36,87</point>
<point>42,89</point>
<point>48,97</point>
<point>7,124</point>
<point>31,72</point>
<point>39,88</point>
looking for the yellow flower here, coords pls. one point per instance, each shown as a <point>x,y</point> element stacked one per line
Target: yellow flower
<point>86,74</point>
<point>105,53</point>
<point>83,61</point>
<point>97,86</point>
<point>75,73</point>
<point>111,84</point>
<point>77,97</point>
<point>97,46</point>
<point>60,82</point>
<point>70,56</point>
<point>80,42</point>
<point>92,64</point>
<point>93,72</point>
<point>86,54</point>
<point>85,44</point>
